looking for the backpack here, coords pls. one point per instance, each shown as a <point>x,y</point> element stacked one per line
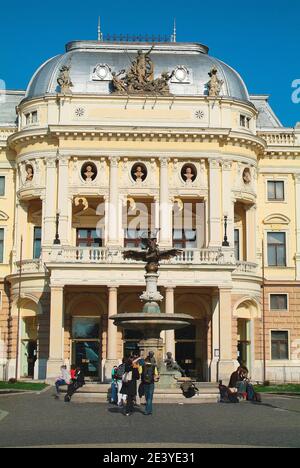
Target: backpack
<point>148,377</point>
<point>189,390</point>
<point>120,371</point>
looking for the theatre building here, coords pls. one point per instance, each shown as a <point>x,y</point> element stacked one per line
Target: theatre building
<point>111,138</point>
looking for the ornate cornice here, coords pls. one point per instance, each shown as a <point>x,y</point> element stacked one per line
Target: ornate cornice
<point>225,136</point>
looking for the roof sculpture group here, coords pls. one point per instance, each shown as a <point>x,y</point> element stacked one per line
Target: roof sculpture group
<point>139,79</point>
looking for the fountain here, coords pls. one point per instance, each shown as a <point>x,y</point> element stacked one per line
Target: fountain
<point>151,321</point>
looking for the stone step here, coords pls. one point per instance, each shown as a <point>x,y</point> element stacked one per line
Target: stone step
<point>103,389</point>
<point>99,393</point>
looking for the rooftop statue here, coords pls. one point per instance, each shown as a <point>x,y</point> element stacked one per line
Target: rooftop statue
<point>215,83</point>
<point>64,80</point>
<point>139,79</point>
<point>151,255</point>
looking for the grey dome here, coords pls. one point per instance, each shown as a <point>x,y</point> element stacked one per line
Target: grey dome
<point>84,56</point>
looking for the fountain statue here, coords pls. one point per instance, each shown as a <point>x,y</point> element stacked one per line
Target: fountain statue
<point>151,321</point>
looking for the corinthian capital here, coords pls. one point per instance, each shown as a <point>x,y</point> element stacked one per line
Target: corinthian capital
<point>51,163</point>
<point>214,163</point>
<point>226,165</point>
<point>297,178</point>
<point>114,161</point>
<point>164,162</point>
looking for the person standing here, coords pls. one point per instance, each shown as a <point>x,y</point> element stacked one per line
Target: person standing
<point>114,386</point>
<point>149,377</point>
<point>129,387</point>
<point>119,376</point>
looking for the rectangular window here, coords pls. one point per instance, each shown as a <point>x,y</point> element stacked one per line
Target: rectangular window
<point>278,302</point>
<point>2,186</point>
<point>34,117</point>
<point>28,119</point>
<point>237,244</point>
<point>242,121</point>
<point>275,190</point>
<point>276,249</point>
<point>1,245</point>
<point>280,345</point>
<point>89,237</point>
<point>184,238</point>
<point>132,239</point>
<point>37,242</point>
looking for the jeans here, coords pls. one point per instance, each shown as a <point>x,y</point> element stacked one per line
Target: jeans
<point>58,384</point>
<point>114,392</point>
<point>149,392</point>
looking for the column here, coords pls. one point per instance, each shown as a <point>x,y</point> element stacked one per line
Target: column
<point>215,342</point>
<point>112,333</point>
<point>113,206</point>
<point>63,199</point>
<point>251,225</point>
<point>165,209</point>
<point>56,340</point>
<point>228,201</point>
<point>297,205</point>
<point>170,334</point>
<point>215,234</point>
<point>49,215</point>
<point>226,362</point>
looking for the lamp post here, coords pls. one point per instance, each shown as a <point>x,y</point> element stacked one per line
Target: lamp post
<point>225,242</point>
<point>57,239</point>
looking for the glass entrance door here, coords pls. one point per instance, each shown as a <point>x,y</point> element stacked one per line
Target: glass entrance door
<point>86,345</point>
<point>86,356</point>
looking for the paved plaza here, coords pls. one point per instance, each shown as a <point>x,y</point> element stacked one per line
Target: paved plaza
<point>39,420</point>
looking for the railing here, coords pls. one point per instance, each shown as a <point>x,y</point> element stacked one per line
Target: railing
<point>102,255</point>
<point>31,266</point>
<point>279,139</point>
<point>246,267</point>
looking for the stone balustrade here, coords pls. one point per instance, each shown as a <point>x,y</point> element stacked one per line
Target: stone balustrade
<point>102,255</point>
<point>246,267</point>
<point>287,138</point>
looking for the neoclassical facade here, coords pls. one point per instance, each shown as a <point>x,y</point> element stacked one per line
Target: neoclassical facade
<point>87,166</point>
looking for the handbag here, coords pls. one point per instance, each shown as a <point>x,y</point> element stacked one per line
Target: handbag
<point>127,377</point>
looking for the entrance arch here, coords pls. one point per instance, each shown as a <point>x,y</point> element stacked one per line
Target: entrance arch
<point>29,336</point>
<point>246,311</point>
<point>191,343</point>
<point>85,333</point>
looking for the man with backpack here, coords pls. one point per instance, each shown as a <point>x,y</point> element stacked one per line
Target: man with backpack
<point>149,377</point>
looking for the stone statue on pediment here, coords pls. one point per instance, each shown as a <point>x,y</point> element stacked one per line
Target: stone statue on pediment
<point>215,83</point>
<point>64,80</point>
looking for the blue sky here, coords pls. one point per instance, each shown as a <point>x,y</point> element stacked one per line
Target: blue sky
<point>258,38</point>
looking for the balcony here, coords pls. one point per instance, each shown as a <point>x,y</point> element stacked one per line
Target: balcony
<point>281,138</point>
<point>93,256</point>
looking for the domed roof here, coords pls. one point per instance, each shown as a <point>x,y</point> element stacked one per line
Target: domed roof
<point>86,58</point>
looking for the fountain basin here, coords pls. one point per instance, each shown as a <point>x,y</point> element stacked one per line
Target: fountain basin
<point>151,324</point>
